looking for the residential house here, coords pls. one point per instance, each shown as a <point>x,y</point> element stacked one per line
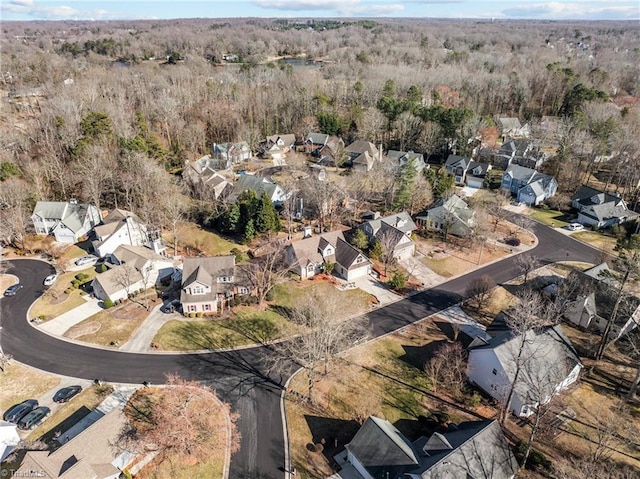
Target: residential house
<point>331,153</point>
<point>599,209</point>
<point>260,185</point>
<point>528,186</point>
<point>362,155</point>
<point>521,152</point>
<point>207,283</point>
<point>275,147</point>
<point>121,227</point>
<point>451,215</point>
<point>511,127</point>
<point>309,257</point>
<point>204,179</point>
<point>458,166</point>
<point>401,158</point>
<point>476,174</point>
<point>551,366</point>
<point>393,230</point>
<point>314,141</point>
<point>68,221</point>
<point>229,154</point>
<point>95,453</point>
<point>131,269</point>
<point>9,439</point>
<point>592,298</point>
<point>469,449</point>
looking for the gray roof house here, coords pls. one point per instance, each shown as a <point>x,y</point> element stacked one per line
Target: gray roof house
<point>457,166</point>
<point>229,154</point>
<point>451,215</point>
<point>528,186</point>
<point>362,155</point>
<point>521,152</point>
<point>401,158</point>
<point>275,147</point>
<point>204,179</point>
<point>308,256</point>
<point>314,141</point>
<point>599,209</point>
<point>475,449</point>
<point>260,185</point>
<point>207,283</point>
<point>552,365</point>
<point>68,221</point>
<point>397,228</point>
<point>592,297</point>
<point>510,126</point>
<point>122,227</point>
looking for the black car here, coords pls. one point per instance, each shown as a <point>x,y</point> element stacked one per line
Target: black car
<point>64,394</point>
<point>13,289</point>
<point>171,306</point>
<point>511,241</point>
<point>34,418</point>
<point>19,411</point>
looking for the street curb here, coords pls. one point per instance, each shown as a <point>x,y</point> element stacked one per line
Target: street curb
<point>285,426</point>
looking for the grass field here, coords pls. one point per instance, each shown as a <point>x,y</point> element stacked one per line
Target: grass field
<point>553,218</point>
<point>21,382</point>
<point>55,301</point>
<point>597,240</point>
<point>192,239</point>
<point>291,293</point>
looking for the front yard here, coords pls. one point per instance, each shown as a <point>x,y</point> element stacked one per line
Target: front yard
<point>597,239</point>
<point>56,301</point>
<point>21,382</point>
<point>548,217</point>
<point>193,240</point>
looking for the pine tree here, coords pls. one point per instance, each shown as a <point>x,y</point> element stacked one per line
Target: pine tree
<point>249,231</point>
<point>231,219</point>
<point>266,218</point>
<point>407,186</point>
<point>359,239</point>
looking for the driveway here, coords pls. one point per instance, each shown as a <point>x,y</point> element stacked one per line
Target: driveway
<point>372,286</point>
<point>61,324</point>
<point>421,271</point>
<point>141,340</point>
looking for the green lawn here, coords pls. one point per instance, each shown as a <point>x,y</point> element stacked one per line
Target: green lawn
<point>192,239</point>
<point>291,293</point>
<point>597,240</point>
<point>244,328</point>
<point>549,217</point>
<point>55,302</point>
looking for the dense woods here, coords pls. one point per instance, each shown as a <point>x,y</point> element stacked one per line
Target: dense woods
<point>108,112</point>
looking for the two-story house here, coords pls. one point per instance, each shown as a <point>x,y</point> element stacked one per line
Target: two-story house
<point>527,185</point>
<point>275,147</point>
<point>67,221</point>
<point>260,185</point>
<point>229,154</point>
<point>121,227</point>
<point>599,209</point>
<point>401,158</point>
<point>207,283</point>
<point>204,180</point>
<point>394,230</point>
<point>449,215</point>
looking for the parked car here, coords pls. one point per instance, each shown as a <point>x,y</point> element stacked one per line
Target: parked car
<point>13,289</point>
<point>64,394</point>
<point>19,411</point>
<point>512,241</point>
<point>171,306</point>
<point>575,227</point>
<point>85,260</point>
<point>49,280</point>
<point>34,418</point>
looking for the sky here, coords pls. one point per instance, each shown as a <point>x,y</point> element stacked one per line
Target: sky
<point>164,9</point>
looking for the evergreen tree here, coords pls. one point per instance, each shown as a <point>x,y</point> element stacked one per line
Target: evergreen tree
<point>407,186</point>
<point>231,219</point>
<point>266,218</point>
<point>359,239</point>
<point>249,231</point>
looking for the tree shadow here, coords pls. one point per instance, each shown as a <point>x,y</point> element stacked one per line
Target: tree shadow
<point>418,356</point>
<point>332,433</point>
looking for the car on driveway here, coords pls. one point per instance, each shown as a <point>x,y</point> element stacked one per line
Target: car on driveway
<point>49,280</point>
<point>512,241</point>
<point>171,306</point>
<point>82,260</point>
<point>64,394</point>
<point>34,418</point>
<point>19,411</point>
<point>13,289</point>
<point>575,227</point>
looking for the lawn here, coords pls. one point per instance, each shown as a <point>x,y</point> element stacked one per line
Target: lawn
<point>549,217</point>
<point>289,294</point>
<point>192,239</point>
<point>211,468</point>
<point>598,240</point>
<point>55,301</point>
<point>110,327</point>
<point>21,382</point>
<point>244,327</point>
<point>6,280</point>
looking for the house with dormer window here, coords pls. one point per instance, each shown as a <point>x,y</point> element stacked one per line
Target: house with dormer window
<point>67,221</point>
<point>208,283</point>
<point>310,256</point>
<point>527,185</point>
<point>599,209</point>
<point>393,230</point>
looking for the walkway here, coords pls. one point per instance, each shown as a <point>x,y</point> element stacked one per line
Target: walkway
<point>60,325</point>
<point>141,341</point>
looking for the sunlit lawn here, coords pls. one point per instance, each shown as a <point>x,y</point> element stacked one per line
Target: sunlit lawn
<point>20,382</point>
<point>192,238</point>
<point>291,293</point>
<point>549,217</point>
<point>55,302</point>
<point>598,240</point>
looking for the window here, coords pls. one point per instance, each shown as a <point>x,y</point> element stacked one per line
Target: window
<point>192,308</point>
<point>311,267</point>
<point>495,372</point>
<point>206,307</point>
<point>197,290</point>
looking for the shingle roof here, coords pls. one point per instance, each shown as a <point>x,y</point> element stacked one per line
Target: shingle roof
<point>136,256</point>
<point>317,138</point>
<point>454,161</point>
<point>306,250</point>
<point>206,269</point>
<point>72,215</point>
<point>361,146</point>
<point>259,184</point>
<point>346,254</point>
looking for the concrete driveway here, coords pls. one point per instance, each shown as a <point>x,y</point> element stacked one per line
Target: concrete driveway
<point>421,271</point>
<point>374,287</point>
<point>141,340</point>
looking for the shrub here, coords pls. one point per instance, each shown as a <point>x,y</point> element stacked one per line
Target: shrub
<point>397,281</point>
<point>108,303</point>
<point>192,315</point>
<point>82,277</point>
<point>68,290</point>
<point>238,254</point>
<point>475,399</point>
<point>536,458</point>
<point>199,315</point>
<point>75,284</point>
<point>42,316</point>
<point>102,268</point>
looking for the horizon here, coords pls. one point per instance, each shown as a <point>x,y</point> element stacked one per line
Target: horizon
<point>117,10</point>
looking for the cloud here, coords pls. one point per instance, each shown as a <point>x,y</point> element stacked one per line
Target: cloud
<point>339,7</point>
<point>23,3</point>
<point>574,11</point>
<point>40,11</point>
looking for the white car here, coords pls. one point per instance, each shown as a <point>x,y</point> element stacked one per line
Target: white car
<point>575,227</point>
<point>85,260</point>
<point>49,280</point>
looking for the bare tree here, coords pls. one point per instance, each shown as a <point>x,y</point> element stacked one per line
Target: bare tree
<point>479,290</point>
<point>14,213</point>
<point>448,368</point>
<point>330,333</point>
<point>185,419</point>
<point>126,276</point>
<point>526,264</point>
<point>388,239</point>
<point>266,271</point>
<point>174,213</point>
<point>495,208</point>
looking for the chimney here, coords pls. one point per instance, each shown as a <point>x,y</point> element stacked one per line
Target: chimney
<point>73,201</point>
<point>307,232</point>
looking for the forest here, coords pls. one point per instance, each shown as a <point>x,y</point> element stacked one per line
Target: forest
<point>108,112</point>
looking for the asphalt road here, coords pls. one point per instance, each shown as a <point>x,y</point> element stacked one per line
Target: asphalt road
<point>240,377</point>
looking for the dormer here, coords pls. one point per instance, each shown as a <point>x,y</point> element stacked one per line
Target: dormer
<point>196,289</point>
<point>224,279</point>
<point>596,199</point>
<point>437,442</point>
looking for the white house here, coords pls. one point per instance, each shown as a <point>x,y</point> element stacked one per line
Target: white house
<point>551,365</point>
<point>121,227</point>
<point>450,214</point>
<point>393,230</point>
<point>309,257</point>
<point>67,221</point>
<point>9,439</point>
<point>208,282</point>
<point>95,453</point>
<point>134,268</point>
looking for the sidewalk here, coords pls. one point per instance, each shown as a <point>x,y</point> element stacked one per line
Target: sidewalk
<point>140,342</point>
<point>60,325</point>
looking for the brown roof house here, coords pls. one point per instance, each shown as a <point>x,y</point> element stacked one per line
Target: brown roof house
<point>204,179</point>
<point>472,449</point>
<point>92,454</point>
<point>363,155</point>
<point>275,147</point>
<point>309,257</point>
<point>132,268</point>
<point>207,283</point>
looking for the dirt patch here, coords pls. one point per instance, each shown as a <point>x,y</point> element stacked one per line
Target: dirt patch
<point>61,298</point>
<point>131,311</point>
<point>7,280</point>
<point>82,330</point>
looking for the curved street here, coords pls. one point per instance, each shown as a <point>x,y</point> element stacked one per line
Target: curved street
<point>239,376</point>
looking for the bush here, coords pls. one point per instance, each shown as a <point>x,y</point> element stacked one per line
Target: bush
<point>238,254</point>
<point>397,281</point>
<point>75,284</point>
<point>68,290</point>
<point>82,277</point>
<point>192,315</point>
<point>199,315</point>
<point>102,268</point>
<point>475,399</point>
<point>536,458</point>
<point>108,303</point>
